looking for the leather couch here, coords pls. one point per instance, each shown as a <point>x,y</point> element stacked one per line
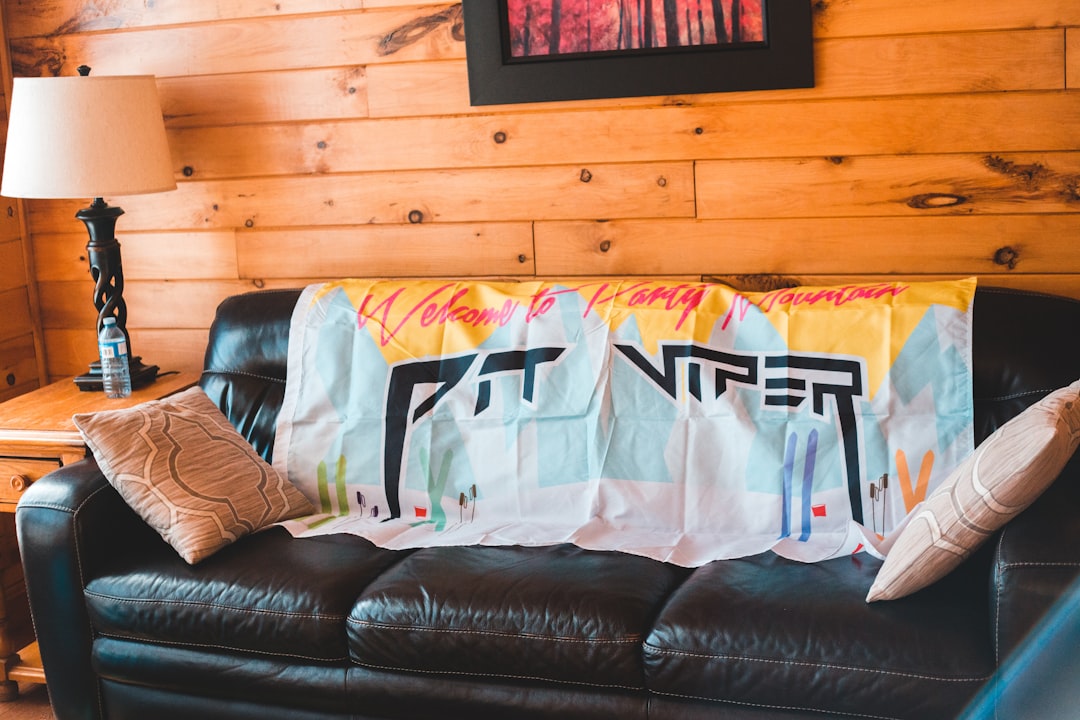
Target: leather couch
<point>333,627</point>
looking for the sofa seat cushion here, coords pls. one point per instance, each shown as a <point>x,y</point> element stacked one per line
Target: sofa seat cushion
<point>268,593</point>
<point>556,613</point>
<point>769,632</point>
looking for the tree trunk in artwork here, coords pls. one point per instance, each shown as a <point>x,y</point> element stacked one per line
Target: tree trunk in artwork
<point>526,34</point>
<point>556,20</point>
<point>671,22</point>
<point>588,26</point>
<point>736,21</point>
<point>622,25</point>
<point>648,38</point>
<point>718,21</point>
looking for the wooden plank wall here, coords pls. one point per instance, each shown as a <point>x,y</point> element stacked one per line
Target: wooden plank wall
<point>22,362</point>
<point>325,138</point>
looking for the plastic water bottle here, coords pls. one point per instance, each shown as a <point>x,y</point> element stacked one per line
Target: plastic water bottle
<point>115,373</point>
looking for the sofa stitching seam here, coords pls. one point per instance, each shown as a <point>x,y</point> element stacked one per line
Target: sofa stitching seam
<point>268,653</point>
<point>772,707</point>
<point>998,594</point>
<point>257,376</point>
<point>374,666</point>
<point>48,506</point>
<point>630,640</point>
<point>1013,396</point>
<point>219,606</point>
<point>806,663</point>
<point>1006,566</point>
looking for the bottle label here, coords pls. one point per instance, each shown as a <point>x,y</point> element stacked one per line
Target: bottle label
<point>110,351</point>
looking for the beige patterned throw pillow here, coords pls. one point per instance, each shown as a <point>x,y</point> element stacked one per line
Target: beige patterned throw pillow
<point>1004,475</point>
<point>187,472</point>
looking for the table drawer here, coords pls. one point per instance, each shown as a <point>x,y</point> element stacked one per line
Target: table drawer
<point>16,474</point>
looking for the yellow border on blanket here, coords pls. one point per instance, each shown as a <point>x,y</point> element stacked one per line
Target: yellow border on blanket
<point>426,318</point>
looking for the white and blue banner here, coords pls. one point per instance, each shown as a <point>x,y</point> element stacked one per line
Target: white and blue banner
<point>681,421</point>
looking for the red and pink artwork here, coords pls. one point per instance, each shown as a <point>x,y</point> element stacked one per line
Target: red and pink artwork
<point>563,27</point>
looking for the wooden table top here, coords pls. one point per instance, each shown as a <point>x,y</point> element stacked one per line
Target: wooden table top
<point>45,414</point>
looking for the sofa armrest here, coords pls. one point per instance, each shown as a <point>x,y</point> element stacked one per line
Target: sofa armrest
<point>68,523</point>
<point>1036,559</point>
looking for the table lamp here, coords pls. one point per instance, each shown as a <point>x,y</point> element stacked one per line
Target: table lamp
<point>90,137</point>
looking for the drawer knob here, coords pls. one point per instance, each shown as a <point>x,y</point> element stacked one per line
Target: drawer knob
<point>20,483</point>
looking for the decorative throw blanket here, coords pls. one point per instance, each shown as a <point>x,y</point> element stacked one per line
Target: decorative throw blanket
<point>681,421</point>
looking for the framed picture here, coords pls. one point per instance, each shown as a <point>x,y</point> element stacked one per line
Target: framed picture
<point>544,50</point>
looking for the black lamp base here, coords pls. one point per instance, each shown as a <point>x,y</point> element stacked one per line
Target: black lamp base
<point>141,376</point>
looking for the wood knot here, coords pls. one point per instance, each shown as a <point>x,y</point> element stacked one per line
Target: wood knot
<point>836,159</point>
<point>188,171</point>
<point>523,258</point>
<point>1007,256</point>
<point>1031,176</point>
<point>416,217</point>
<point>10,379</point>
<point>416,29</point>
<point>585,176</point>
<point>933,201</point>
<point>457,23</point>
<point>605,246</point>
<point>500,137</point>
<point>1071,189</point>
<point>47,62</point>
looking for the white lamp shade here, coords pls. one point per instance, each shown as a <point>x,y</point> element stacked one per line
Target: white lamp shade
<point>86,137</point>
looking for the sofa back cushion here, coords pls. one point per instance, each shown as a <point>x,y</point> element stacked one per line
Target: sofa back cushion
<point>1025,346</point>
<point>244,367</point>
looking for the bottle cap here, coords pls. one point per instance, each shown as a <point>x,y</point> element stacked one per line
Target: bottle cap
<point>109,321</point>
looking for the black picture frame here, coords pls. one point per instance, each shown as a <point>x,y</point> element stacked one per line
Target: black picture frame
<point>784,60</point>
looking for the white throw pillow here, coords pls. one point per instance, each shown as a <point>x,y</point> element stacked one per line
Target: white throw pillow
<point>1004,475</point>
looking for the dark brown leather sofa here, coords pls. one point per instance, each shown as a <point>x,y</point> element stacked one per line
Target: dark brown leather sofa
<point>333,627</point>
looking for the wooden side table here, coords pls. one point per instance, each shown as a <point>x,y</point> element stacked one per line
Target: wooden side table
<point>36,437</point>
